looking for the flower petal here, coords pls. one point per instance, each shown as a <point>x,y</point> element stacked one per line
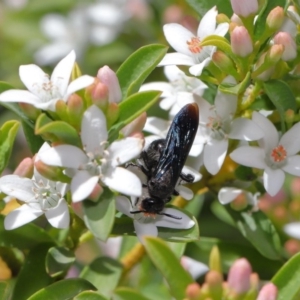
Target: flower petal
<point>196,70</point>
<point>20,216</point>
<point>228,194</point>
<point>293,165</point>
<point>246,130</point>
<point>123,205</point>
<point>93,129</point>
<point>194,267</point>
<point>156,126</point>
<point>214,155</point>
<point>62,72</point>
<point>164,221</point>
<point>19,96</point>
<point>249,156</point>
<point>293,230</point>
<point>176,59</point>
<point>185,192</point>
<point>189,170</point>
<point>79,83</point>
<point>124,150</point>
<point>59,216</point>
<point>291,141</point>
<point>34,78</point>
<point>82,185</point>
<point>207,25</point>
<point>271,137</point>
<point>18,187</point>
<point>165,87</point>
<point>178,36</point>
<point>222,29</point>
<point>144,229</point>
<point>67,156</point>
<point>123,181</point>
<point>225,105</point>
<point>273,180</point>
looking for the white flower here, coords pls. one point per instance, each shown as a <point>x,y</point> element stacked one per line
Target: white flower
<point>147,225</point>
<point>194,267</point>
<point>292,229</point>
<point>274,155</point>
<point>40,196</point>
<point>95,161</point>
<point>189,52</point>
<point>228,194</point>
<point>217,126</point>
<point>180,89</point>
<point>43,92</point>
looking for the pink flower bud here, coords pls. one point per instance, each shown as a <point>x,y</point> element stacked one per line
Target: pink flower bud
<point>100,95</point>
<point>268,292</point>
<point>244,8</point>
<point>30,110</point>
<point>239,276</point>
<point>110,79</point>
<point>290,48</point>
<point>193,291</point>
<point>236,19</point>
<point>113,112</point>
<point>275,18</point>
<point>241,43</point>
<point>97,191</point>
<point>75,106</point>
<point>25,168</point>
<point>136,125</point>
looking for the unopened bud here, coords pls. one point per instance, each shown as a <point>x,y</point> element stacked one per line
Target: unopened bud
<point>110,79</point>
<point>268,291</point>
<point>75,109</point>
<point>289,116</point>
<point>244,8</point>
<point>113,112</point>
<point>290,48</point>
<point>214,281</point>
<point>241,43</point>
<point>192,291</point>
<point>25,168</point>
<point>222,18</point>
<point>136,125</point>
<point>239,276</point>
<point>275,53</point>
<point>240,202</point>
<point>215,260</point>
<point>237,20</point>
<point>100,95</point>
<point>61,110</point>
<point>51,172</point>
<point>224,63</point>
<point>292,247</point>
<point>6,272</point>
<point>254,281</point>
<point>30,111</point>
<point>275,18</point>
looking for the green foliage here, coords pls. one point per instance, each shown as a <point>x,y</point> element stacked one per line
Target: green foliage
<point>133,72</point>
<point>287,279</point>
<point>127,294</point>
<point>8,132</point>
<point>99,216</point>
<point>104,273</point>
<point>168,264</point>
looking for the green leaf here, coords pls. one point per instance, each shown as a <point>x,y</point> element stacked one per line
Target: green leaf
<point>123,293</point>
<point>124,226</point>
<point>237,89</point>
<point>104,273</point>
<point>259,230</point>
<point>168,264</point>
<point>99,216</point>
<point>88,295</point>
<point>62,290</point>
<point>4,86</point>
<point>34,141</point>
<point>201,7</point>
<point>59,260</point>
<point>219,42</point>
<point>33,275</point>
<point>138,66</point>
<point>131,108</point>
<point>58,130</point>
<point>25,237</point>
<point>282,97</point>
<point>230,251</point>
<point>245,173</point>
<point>8,133</point>
<point>5,290</point>
<point>287,279</point>
<point>262,102</point>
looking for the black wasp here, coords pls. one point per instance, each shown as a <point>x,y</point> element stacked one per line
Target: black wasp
<point>164,159</point>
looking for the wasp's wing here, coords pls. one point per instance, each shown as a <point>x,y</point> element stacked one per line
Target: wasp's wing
<point>179,141</point>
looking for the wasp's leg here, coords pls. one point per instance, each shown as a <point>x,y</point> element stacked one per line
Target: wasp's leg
<point>187,177</point>
<point>141,167</point>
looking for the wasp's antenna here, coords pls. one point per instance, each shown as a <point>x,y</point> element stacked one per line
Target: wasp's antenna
<point>136,211</point>
<point>171,216</point>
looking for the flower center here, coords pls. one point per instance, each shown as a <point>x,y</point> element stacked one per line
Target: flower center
<point>217,127</point>
<point>194,45</point>
<point>278,154</point>
<point>46,194</point>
